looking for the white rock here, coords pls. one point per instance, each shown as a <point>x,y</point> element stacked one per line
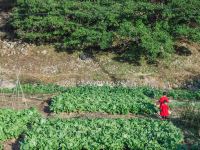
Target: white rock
<point>7,84</point>
<point>44,52</point>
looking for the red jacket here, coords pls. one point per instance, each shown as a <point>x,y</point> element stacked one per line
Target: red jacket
<point>162,99</point>
<point>164,110</point>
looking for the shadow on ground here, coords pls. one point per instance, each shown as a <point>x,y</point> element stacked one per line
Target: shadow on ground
<point>6,5</point>
<point>16,145</point>
<point>191,135</point>
<point>192,83</point>
<point>5,8</point>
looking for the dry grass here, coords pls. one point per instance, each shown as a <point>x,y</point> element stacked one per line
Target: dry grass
<point>44,64</point>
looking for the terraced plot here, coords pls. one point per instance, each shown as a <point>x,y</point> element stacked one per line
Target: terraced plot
<point>113,100</point>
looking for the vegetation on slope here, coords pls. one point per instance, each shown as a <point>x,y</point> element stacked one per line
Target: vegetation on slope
<point>148,29</point>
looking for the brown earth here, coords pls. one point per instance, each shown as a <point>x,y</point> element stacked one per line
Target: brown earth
<point>12,144</point>
<point>44,64</point>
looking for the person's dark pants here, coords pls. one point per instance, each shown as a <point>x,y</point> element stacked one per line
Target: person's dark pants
<point>164,117</point>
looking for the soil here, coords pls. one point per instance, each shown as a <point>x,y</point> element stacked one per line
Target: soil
<point>12,144</point>
<point>45,64</point>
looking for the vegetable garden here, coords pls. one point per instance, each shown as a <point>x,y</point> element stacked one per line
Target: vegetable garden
<point>93,133</point>
<point>40,133</point>
<point>13,123</point>
<point>139,29</point>
<point>116,100</point>
<point>102,134</point>
<point>155,93</point>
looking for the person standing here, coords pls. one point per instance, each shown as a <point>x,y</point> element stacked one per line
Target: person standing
<point>164,110</point>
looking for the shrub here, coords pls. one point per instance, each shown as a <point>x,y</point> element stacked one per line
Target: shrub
<point>77,24</point>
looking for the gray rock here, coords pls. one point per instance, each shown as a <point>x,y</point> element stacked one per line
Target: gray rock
<point>44,52</point>
<point>2,34</point>
<point>7,84</point>
<point>50,70</point>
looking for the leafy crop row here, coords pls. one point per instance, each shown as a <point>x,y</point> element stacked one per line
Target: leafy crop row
<point>42,88</point>
<point>97,134</point>
<point>149,29</point>
<point>13,123</point>
<point>36,89</point>
<point>115,100</point>
<point>177,94</point>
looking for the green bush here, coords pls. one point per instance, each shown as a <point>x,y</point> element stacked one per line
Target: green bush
<point>102,134</point>
<point>77,24</point>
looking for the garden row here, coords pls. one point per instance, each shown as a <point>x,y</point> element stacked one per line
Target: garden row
<point>35,89</point>
<point>13,123</point>
<point>40,133</point>
<point>155,93</point>
<point>114,100</point>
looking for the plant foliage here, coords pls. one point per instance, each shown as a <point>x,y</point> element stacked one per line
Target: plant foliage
<point>13,123</point>
<point>151,27</point>
<point>102,134</point>
<point>117,100</point>
<point>36,89</point>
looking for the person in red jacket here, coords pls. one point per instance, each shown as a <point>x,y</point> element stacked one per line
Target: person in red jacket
<point>164,110</point>
<point>163,98</point>
<point>161,101</point>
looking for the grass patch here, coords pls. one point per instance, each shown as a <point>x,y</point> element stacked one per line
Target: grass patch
<point>191,116</point>
<point>176,94</point>
<point>36,89</point>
